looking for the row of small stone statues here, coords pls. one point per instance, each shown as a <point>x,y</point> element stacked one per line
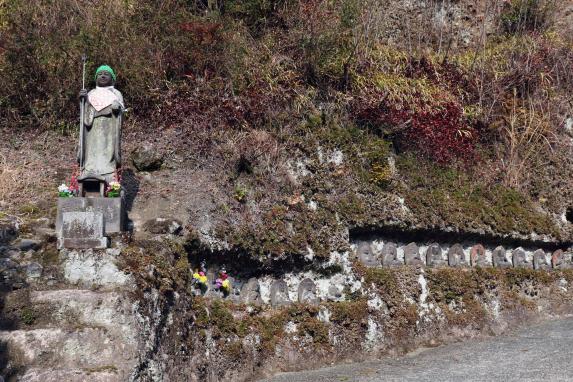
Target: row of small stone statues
<point>457,257</point>
<point>250,293</point>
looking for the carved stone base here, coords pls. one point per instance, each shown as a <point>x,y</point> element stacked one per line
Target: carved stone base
<point>82,230</point>
<point>101,243</point>
<point>111,208</point>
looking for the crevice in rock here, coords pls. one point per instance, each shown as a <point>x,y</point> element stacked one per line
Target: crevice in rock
<point>243,265</point>
<point>158,329</point>
<point>436,235</point>
<point>569,214</point>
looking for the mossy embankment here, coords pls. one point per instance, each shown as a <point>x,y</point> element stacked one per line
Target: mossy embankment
<point>395,310</point>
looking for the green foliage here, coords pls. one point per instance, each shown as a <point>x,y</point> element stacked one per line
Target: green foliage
<point>28,316</point>
<point>241,193</point>
<point>518,276</point>
<point>215,315</point>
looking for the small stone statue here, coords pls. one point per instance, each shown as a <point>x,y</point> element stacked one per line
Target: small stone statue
<point>390,255</point>
<point>519,259</point>
<point>434,256</point>
<point>412,255</point>
<point>99,154</point>
<point>540,260</point>
<point>499,258</point>
<point>279,294</point>
<point>366,256</point>
<point>477,256</point>
<point>457,256</point>
<point>307,292</point>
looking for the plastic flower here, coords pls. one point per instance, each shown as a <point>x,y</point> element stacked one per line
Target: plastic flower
<point>63,188</point>
<point>223,283</point>
<point>114,186</point>
<point>200,277</point>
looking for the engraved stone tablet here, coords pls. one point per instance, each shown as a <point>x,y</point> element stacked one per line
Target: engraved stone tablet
<point>82,230</point>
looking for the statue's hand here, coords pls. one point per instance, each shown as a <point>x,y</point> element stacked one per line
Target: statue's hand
<point>83,94</point>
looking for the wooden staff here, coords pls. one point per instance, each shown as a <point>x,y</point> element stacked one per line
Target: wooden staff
<point>82,111</point>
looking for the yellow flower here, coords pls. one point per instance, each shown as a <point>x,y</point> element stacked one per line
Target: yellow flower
<point>201,278</point>
<point>115,186</point>
<point>226,285</point>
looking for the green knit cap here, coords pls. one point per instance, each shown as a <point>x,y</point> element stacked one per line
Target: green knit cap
<point>107,69</point>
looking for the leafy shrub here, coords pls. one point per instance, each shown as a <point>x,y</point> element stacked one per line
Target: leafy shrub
<point>422,111</point>
<point>527,15</point>
<point>148,44</point>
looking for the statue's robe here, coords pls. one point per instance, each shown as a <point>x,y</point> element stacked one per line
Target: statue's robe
<point>101,152</point>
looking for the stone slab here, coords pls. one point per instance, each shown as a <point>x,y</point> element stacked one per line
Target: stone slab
<point>111,208</point>
<point>100,243</point>
<point>82,225</point>
<point>82,230</point>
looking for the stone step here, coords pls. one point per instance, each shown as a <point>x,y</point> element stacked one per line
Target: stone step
<point>81,307</point>
<point>102,374</point>
<point>88,347</point>
<point>89,268</point>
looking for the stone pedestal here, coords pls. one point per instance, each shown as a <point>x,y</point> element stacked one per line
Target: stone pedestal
<point>111,209</point>
<point>82,230</point>
<point>85,222</point>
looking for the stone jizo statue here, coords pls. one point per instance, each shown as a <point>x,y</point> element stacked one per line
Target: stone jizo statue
<point>99,153</point>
